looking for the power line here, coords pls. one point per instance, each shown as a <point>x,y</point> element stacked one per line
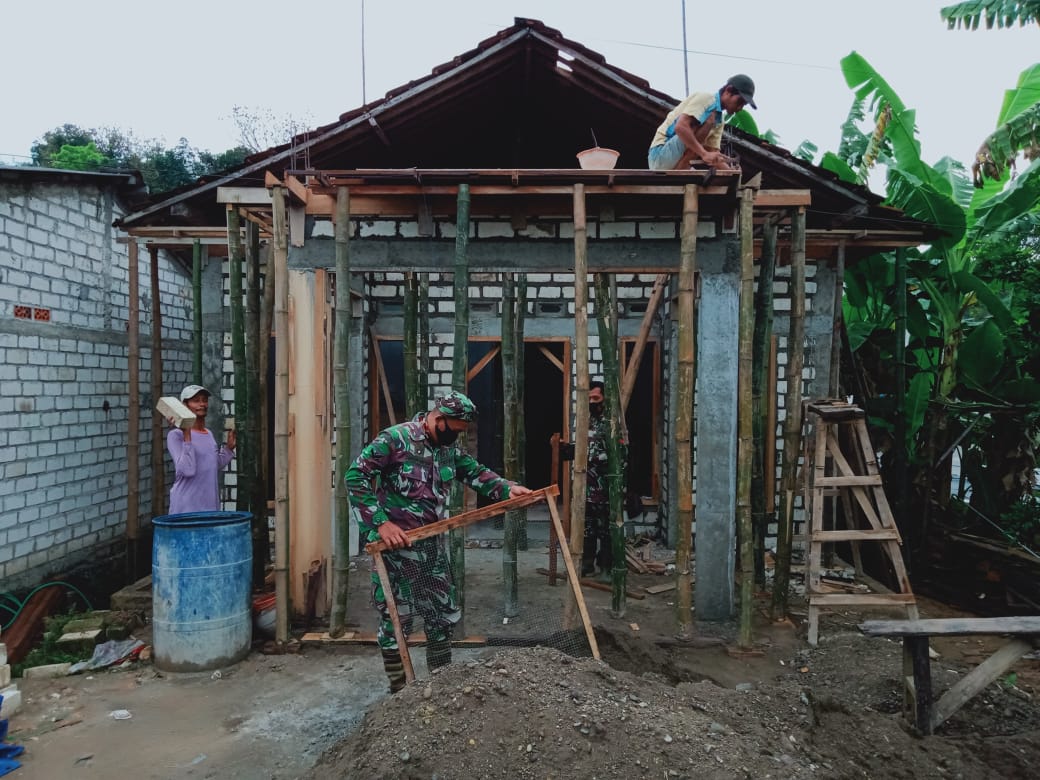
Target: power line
<point>725,56</point>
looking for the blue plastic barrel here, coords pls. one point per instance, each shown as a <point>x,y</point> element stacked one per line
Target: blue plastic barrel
<point>202,569</point>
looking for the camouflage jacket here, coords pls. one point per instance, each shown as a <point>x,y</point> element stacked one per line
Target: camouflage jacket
<point>402,476</point>
<point>596,488</point>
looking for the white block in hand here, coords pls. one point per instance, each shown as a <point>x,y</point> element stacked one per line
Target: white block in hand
<point>169,406</point>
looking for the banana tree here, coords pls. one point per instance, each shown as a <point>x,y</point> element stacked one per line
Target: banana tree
<point>954,347</point>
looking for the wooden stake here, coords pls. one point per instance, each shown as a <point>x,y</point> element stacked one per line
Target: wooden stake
<point>391,606</point>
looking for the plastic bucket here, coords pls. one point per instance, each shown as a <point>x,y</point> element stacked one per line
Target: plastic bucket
<point>202,568</point>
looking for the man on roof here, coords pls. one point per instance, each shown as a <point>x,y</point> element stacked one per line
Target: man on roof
<point>692,131</point>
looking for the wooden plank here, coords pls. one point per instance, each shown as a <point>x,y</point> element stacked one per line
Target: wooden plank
<point>655,589</point>
<point>587,583</point>
<point>472,516</point>
<point>768,198</point>
<point>977,679</point>
<point>391,606</point>
<point>859,535</point>
<point>1019,626</point>
<point>572,576</point>
<point>368,638</point>
<point>862,600</point>
<point>848,481</point>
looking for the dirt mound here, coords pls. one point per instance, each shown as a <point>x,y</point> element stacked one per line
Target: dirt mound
<point>536,713</point>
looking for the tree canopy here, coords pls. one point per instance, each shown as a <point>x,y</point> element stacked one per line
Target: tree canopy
<point>164,168</point>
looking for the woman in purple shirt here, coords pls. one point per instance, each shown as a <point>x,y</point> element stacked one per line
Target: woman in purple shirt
<point>197,458</point>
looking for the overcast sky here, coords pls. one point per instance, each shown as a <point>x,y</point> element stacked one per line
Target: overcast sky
<point>174,69</point>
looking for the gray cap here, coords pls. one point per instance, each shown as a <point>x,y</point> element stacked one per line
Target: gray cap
<point>745,87</point>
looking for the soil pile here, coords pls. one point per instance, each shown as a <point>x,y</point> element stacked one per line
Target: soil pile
<point>830,712</point>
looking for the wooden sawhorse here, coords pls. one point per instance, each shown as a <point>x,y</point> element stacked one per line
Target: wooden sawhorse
<point>1024,633</point>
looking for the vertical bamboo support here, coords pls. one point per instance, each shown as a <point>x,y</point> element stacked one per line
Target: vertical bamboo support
<point>252,447</point>
<point>341,380</point>
<point>745,444</point>
<point>410,346</point>
<point>196,300</point>
<point>280,262</point>
<point>792,417</point>
<point>521,391</point>
<point>762,461</point>
<point>158,473</point>
<point>684,413</point>
<point>424,340</point>
<point>510,453</point>
<point>133,428</point>
<point>606,307</point>
<point>839,295</point>
<point>579,465</point>
<point>266,465</point>
<point>236,254</point>
<point>899,358</point>
<point>459,368</point>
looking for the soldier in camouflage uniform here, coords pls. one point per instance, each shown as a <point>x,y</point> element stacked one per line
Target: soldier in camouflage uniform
<point>399,482</point>
<point>596,548</point>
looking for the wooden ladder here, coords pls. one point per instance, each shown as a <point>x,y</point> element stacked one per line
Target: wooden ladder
<point>868,518</point>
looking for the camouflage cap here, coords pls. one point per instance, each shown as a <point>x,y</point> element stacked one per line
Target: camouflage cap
<point>457,406</point>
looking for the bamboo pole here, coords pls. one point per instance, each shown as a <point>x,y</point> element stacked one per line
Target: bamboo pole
<point>745,444</point>
<point>251,446</point>
<point>158,473</point>
<point>521,391</point>
<point>608,344</point>
<point>761,509</point>
<point>410,346</point>
<point>133,429</point>
<point>510,454</point>
<point>769,461</point>
<point>792,416</point>
<point>196,300</point>
<point>459,365</point>
<point>839,295</point>
<point>341,379</point>
<point>684,413</point>
<point>424,340</point>
<point>280,259</point>
<point>579,465</point>
<point>236,255</point>
<point>632,370</point>
<point>264,389</point>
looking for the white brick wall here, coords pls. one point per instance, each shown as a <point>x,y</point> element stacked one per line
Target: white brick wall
<point>63,380</point>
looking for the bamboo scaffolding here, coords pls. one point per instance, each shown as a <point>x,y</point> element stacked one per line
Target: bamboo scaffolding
<point>459,364</point>
<point>341,379</point>
<point>410,346</point>
<point>236,256</point>
<point>762,461</point>
<point>792,417</point>
<point>133,432</point>
<point>158,473</point>
<point>251,446</point>
<point>684,414</point>
<point>510,584</point>
<point>579,465</point>
<point>280,259</point>
<point>606,307</point>
<point>196,309</point>
<point>745,445</point>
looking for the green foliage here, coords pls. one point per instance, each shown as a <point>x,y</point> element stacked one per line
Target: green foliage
<point>1003,13</point>
<point>78,158</point>
<point>164,168</point>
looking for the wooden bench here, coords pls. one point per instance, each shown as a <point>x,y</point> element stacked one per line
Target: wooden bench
<point>1023,633</point>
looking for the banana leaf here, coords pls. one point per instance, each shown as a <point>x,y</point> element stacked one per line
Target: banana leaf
<point>981,356</point>
<point>954,172</point>
<point>831,162</point>
<point>969,283</point>
<point>917,397</point>
<point>1021,196</point>
<point>745,122</point>
<point>1020,391</point>
<point>1003,13</point>
<point>918,199</point>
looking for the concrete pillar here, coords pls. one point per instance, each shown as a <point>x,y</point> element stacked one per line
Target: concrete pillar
<point>819,332</point>
<point>716,433</point>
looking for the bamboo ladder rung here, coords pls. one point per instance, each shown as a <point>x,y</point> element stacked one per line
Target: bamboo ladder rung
<point>856,535</point>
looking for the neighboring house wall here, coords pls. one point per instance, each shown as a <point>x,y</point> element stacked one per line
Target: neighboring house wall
<point>63,371</point>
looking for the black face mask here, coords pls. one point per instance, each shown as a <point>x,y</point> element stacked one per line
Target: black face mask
<point>445,435</point>
<point>595,409</point>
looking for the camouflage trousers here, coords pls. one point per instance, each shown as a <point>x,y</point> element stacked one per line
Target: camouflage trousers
<point>421,581</point>
<point>596,549</point>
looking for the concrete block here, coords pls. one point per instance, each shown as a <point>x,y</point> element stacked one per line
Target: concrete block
<point>47,670</point>
<point>5,675</point>
<point>12,701</point>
